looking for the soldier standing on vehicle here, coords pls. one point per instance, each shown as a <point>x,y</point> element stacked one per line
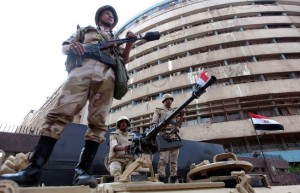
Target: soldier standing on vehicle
<point>92,80</point>
<point>119,157</point>
<point>159,115</point>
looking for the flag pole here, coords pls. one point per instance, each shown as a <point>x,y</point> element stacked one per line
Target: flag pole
<point>261,148</point>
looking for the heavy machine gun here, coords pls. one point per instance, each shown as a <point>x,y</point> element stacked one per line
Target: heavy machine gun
<point>150,142</point>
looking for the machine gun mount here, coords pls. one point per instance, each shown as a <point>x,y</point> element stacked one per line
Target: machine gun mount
<point>149,142</point>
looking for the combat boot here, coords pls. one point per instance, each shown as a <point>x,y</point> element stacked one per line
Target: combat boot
<point>31,175</point>
<point>173,179</point>
<point>162,179</point>
<point>82,170</point>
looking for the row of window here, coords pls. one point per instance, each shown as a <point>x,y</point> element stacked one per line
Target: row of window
<point>212,10</point>
<point>219,83</point>
<point>228,68</point>
<point>221,31</point>
<point>228,29</point>
<point>242,148</point>
<point>233,109</point>
<point>150,12</point>
<point>238,109</point>
<point>244,151</point>
<point>215,64</point>
<point>220,47</point>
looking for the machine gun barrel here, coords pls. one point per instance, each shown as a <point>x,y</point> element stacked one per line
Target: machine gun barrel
<point>152,132</point>
<point>150,142</point>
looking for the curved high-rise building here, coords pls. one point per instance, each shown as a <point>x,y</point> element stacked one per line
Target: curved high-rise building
<point>252,47</point>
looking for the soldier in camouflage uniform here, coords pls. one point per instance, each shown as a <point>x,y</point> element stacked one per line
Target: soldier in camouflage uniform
<point>159,115</point>
<point>91,81</point>
<point>119,157</point>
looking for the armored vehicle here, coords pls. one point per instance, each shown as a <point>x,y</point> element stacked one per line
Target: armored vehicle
<point>207,169</point>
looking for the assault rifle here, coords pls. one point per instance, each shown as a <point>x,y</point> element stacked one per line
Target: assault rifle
<point>149,142</point>
<point>149,36</point>
<point>95,51</point>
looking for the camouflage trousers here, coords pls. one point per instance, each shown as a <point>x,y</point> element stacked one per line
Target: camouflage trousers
<point>163,161</point>
<point>92,83</point>
<point>116,168</point>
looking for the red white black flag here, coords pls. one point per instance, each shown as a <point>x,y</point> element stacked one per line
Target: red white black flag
<point>203,78</point>
<point>264,123</point>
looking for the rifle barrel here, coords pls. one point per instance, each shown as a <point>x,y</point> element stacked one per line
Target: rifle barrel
<point>149,36</point>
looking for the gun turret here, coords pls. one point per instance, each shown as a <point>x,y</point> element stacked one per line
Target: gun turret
<point>149,142</point>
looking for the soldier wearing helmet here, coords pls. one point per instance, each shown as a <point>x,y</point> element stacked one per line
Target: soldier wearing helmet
<point>106,19</point>
<point>164,157</point>
<point>119,157</point>
<point>92,80</point>
<point>98,20</point>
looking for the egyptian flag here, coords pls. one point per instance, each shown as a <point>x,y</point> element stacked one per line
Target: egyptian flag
<point>264,123</point>
<point>203,78</point>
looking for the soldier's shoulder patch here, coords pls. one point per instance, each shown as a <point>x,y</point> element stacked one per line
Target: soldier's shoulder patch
<point>88,28</point>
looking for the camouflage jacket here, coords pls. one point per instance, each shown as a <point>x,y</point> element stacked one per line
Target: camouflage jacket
<point>160,114</point>
<point>123,139</point>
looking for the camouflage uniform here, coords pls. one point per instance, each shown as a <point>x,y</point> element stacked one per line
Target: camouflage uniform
<point>93,82</point>
<point>159,115</point>
<point>119,160</point>
<point>89,80</point>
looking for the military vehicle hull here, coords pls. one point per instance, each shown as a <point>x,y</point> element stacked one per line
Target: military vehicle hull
<point>58,172</point>
<point>149,187</point>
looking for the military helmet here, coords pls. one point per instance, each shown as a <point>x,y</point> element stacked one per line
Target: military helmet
<point>103,8</point>
<point>167,96</point>
<point>124,118</point>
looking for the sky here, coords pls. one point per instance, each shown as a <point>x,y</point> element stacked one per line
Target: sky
<point>31,61</point>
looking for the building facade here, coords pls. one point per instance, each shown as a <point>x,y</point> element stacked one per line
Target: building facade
<point>251,46</point>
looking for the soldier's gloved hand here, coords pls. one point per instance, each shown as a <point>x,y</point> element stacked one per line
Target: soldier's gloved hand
<point>77,48</point>
<point>181,113</point>
<point>127,148</point>
<point>130,35</point>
